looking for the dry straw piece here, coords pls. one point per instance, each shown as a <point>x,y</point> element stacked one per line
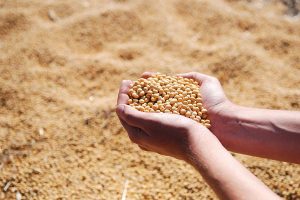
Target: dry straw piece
<point>168,94</point>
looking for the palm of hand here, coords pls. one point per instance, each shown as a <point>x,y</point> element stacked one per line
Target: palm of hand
<point>169,134</point>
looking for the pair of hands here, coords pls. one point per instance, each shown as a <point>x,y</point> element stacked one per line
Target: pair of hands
<point>171,134</point>
<point>264,133</point>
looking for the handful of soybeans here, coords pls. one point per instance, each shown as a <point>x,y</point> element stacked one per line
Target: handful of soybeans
<point>168,94</point>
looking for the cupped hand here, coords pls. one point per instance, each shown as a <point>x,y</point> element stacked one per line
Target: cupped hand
<point>167,134</point>
<point>213,98</point>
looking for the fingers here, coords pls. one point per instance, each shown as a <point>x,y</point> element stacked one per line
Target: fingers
<point>122,96</point>
<point>148,74</point>
<point>196,76</point>
<point>134,117</point>
<point>136,135</point>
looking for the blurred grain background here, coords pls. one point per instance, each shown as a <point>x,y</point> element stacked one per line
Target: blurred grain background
<point>61,63</point>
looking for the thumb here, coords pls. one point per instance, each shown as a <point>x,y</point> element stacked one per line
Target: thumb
<point>133,117</point>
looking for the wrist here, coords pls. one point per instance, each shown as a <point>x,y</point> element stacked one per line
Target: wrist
<point>201,143</point>
<point>223,117</point>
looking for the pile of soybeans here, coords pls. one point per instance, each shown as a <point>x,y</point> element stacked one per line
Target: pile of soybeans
<point>61,63</point>
<point>169,94</point>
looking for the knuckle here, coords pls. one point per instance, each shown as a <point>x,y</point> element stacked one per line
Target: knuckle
<point>147,74</point>
<point>124,83</point>
<point>214,79</point>
<point>193,75</point>
<point>197,76</point>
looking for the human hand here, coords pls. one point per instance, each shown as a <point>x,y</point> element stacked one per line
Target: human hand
<point>183,138</point>
<point>213,98</point>
<point>166,134</point>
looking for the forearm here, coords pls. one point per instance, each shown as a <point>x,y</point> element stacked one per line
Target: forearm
<point>228,178</point>
<point>265,133</point>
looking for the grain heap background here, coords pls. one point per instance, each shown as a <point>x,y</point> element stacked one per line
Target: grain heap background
<point>61,63</point>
